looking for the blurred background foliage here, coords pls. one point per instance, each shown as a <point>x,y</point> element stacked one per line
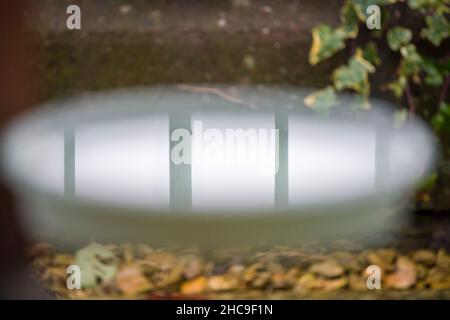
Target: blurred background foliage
<point>416,70</point>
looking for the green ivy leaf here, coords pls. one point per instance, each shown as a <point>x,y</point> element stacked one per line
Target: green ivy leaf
<point>433,76</point>
<point>437,29</point>
<point>349,20</point>
<point>410,53</point>
<point>411,63</point>
<point>428,182</point>
<point>444,67</point>
<point>398,37</point>
<point>322,100</point>
<point>361,6</point>
<point>418,4</point>
<point>424,6</point>
<point>370,53</point>
<point>398,86</point>
<point>441,120</point>
<point>326,42</point>
<point>354,75</point>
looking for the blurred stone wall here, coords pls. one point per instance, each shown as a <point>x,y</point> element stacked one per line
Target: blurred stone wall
<point>127,43</point>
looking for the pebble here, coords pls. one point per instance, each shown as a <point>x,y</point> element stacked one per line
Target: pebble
<point>357,282</point>
<point>285,280</point>
<point>310,282</point>
<point>328,269</point>
<point>443,260</point>
<point>222,283</point>
<point>347,260</point>
<point>425,257</point>
<point>438,279</point>
<point>130,280</point>
<point>194,286</point>
<point>63,259</point>
<point>192,266</point>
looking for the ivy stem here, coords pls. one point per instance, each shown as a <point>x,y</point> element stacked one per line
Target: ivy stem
<point>352,47</point>
<point>444,90</point>
<point>409,98</point>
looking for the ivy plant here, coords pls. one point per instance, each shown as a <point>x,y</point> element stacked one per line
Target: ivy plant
<point>413,68</point>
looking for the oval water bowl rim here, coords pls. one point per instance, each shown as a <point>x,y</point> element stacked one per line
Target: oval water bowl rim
<point>43,110</point>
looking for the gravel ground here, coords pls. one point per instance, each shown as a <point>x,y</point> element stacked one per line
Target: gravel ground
<point>304,271</point>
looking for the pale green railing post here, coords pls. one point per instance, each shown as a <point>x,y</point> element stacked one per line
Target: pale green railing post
<point>180,174</point>
<point>69,162</point>
<point>282,175</point>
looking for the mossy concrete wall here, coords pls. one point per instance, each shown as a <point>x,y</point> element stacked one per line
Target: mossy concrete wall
<point>127,43</point>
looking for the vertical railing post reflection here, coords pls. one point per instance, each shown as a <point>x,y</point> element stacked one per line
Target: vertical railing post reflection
<point>281,176</point>
<point>180,174</point>
<point>69,162</point>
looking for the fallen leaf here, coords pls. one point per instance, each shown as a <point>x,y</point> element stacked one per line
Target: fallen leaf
<point>130,280</point>
<point>405,275</point>
<point>97,263</point>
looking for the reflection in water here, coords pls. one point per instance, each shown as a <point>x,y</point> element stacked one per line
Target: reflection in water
<point>233,161</point>
<point>330,160</point>
<point>236,161</point>
<point>124,161</point>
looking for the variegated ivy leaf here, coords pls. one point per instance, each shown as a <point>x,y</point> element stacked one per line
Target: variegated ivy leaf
<point>410,53</point>
<point>398,86</point>
<point>326,42</point>
<point>437,29</point>
<point>97,263</point>
<point>424,6</point>
<point>349,20</point>
<point>370,53</point>
<point>354,75</point>
<point>322,100</point>
<point>361,6</point>
<point>433,76</point>
<point>411,63</point>
<point>398,37</point>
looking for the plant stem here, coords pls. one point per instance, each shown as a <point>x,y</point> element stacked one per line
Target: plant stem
<point>352,47</point>
<point>444,90</point>
<point>409,98</point>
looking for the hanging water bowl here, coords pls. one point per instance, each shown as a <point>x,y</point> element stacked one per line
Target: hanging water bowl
<point>211,166</point>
